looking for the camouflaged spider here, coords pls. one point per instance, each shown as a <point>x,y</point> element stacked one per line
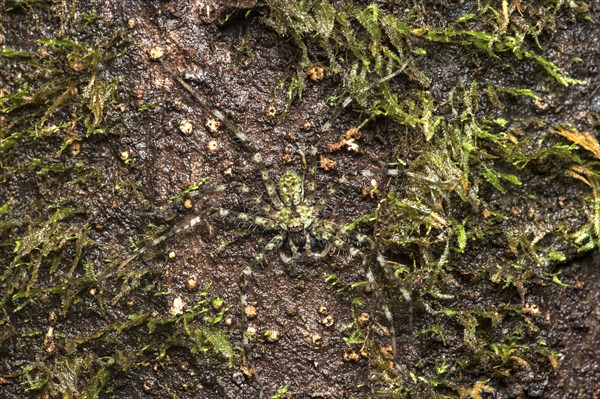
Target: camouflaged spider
<point>292,216</point>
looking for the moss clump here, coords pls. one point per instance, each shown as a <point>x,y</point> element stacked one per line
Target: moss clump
<point>358,42</point>
<point>108,349</point>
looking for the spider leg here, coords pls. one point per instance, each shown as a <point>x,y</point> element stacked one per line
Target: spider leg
<point>241,136</point>
<point>309,251</point>
<point>311,185</point>
<point>322,202</point>
<point>286,259</point>
<point>308,248</point>
<point>243,283</point>
<point>361,238</point>
<point>175,230</point>
<point>343,245</point>
<point>257,199</point>
<point>246,217</point>
<point>264,174</point>
<point>346,101</point>
<point>216,113</point>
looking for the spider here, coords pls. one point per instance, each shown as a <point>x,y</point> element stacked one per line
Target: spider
<point>292,216</point>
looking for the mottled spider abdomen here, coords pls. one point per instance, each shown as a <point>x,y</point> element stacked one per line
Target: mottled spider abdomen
<point>290,187</point>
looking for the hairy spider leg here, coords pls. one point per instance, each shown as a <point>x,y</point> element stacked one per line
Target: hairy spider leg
<point>324,200</point>
<point>328,236</point>
<point>346,101</point>
<point>155,241</point>
<point>325,127</point>
<point>216,113</point>
<point>241,136</point>
<point>309,251</point>
<point>264,175</point>
<point>244,279</point>
<point>177,229</point>
<point>311,184</point>
<point>361,238</point>
<point>247,274</point>
<point>257,199</point>
<point>294,248</point>
<point>252,219</point>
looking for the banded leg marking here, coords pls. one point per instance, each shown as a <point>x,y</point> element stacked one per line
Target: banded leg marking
<point>155,241</point>
<point>245,217</point>
<point>257,199</point>
<point>324,200</point>
<point>184,226</point>
<point>361,238</point>
<point>243,283</point>
<point>328,236</point>
<point>286,259</point>
<point>311,185</point>
<point>215,112</point>
<point>264,175</point>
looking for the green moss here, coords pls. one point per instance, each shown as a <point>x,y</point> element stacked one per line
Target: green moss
<point>84,372</point>
<point>280,393</point>
<point>361,41</point>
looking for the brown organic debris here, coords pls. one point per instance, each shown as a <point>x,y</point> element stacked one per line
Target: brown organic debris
<point>186,127</point>
<point>316,73</point>
<point>156,53</point>
<point>351,356</point>
<point>327,163</point>
<point>212,125</point>
<point>583,139</point>
<point>373,191</point>
<point>348,140</point>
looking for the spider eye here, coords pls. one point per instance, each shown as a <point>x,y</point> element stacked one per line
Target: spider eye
<point>290,188</point>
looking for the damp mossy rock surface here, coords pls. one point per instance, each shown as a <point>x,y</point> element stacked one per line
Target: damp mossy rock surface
<point>457,159</point>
